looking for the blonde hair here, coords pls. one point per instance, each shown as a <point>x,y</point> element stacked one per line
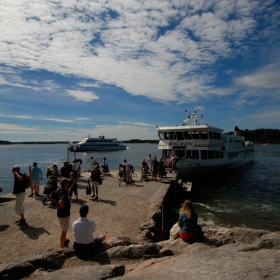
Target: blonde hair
<point>187,208</point>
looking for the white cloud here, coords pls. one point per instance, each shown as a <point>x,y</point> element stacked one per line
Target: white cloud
<point>37,118</point>
<point>85,96</point>
<point>132,53</point>
<point>266,78</point>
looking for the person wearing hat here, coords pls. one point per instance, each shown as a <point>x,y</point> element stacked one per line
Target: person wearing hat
<point>60,198</point>
<point>83,228</point>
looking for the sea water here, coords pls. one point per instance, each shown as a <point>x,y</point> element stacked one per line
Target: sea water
<point>248,196</point>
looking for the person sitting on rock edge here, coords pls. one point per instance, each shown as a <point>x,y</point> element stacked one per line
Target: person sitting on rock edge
<point>83,228</point>
<point>189,229</point>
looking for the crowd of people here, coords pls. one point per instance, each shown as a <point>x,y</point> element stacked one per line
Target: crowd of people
<point>83,228</point>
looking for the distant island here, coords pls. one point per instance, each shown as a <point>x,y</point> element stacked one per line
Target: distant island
<point>261,135</point>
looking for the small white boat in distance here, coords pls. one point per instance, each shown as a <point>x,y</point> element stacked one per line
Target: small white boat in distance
<point>97,144</point>
<point>201,148</point>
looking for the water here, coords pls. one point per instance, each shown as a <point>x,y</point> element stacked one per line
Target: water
<point>248,196</point>
<point>46,155</point>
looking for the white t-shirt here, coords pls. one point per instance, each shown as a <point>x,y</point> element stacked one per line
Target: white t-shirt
<point>83,230</point>
<point>127,164</point>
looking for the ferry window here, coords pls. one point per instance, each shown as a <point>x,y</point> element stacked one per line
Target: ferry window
<point>189,154</point>
<point>161,135</point>
<point>210,154</point>
<point>221,155</point>
<point>218,136</point>
<point>164,153</point>
<point>181,153</point>
<point>180,135</point>
<point>172,136</point>
<point>195,154</point>
<point>203,154</point>
<point>211,135</point>
<point>203,135</point>
<point>187,135</point>
<point>217,155</point>
<point>195,135</point>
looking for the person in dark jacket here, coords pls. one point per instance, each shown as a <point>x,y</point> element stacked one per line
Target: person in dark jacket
<point>19,191</point>
<point>60,198</point>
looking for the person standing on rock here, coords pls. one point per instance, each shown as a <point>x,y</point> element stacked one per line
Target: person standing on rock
<point>150,163</point>
<point>36,176</point>
<point>83,228</point>
<point>189,229</point>
<point>94,178</point>
<point>19,191</point>
<point>127,171</point>
<point>60,198</point>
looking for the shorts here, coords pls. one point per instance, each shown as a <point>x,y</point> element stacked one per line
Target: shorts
<point>35,183</point>
<point>64,223</point>
<point>19,203</point>
<point>186,236</point>
<point>94,184</point>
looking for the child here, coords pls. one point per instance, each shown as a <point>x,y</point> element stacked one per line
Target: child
<point>73,185</point>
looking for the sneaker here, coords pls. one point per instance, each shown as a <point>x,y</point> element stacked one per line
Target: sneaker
<point>96,198</point>
<point>66,242</point>
<point>22,222</point>
<point>93,196</point>
<point>37,195</point>
<point>30,195</point>
<point>17,221</point>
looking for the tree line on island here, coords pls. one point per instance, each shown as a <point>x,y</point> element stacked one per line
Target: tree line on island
<point>261,135</point>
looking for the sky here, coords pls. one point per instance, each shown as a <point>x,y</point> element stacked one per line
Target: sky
<point>119,68</point>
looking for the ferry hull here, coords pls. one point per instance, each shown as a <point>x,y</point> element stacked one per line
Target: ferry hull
<point>192,168</point>
<point>77,148</point>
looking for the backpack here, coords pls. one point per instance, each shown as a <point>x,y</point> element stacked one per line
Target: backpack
<point>26,180</point>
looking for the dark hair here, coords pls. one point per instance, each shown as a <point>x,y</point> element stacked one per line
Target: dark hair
<point>34,163</point>
<point>83,210</point>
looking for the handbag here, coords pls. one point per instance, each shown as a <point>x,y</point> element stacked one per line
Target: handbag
<point>88,189</point>
<point>174,231</point>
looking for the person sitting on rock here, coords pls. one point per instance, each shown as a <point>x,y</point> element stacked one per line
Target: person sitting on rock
<point>83,228</point>
<point>189,229</point>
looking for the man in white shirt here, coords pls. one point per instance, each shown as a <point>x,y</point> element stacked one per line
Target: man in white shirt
<point>83,228</point>
<point>75,167</point>
<point>127,171</point>
<point>150,163</point>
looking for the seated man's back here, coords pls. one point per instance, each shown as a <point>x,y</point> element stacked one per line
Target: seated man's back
<point>83,229</point>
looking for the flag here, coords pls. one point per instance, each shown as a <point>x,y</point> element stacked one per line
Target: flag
<point>201,116</point>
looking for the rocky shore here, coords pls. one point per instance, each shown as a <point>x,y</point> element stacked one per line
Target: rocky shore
<point>130,217</point>
<point>236,253</point>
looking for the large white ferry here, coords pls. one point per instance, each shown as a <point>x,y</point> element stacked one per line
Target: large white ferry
<point>97,144</point>
<point>201,148</point>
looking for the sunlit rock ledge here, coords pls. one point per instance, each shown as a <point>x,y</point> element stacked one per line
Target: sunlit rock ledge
<point>225,253</point>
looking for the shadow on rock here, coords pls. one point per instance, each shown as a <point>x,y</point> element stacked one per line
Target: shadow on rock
<point>32,232</point>
<point>4,227</point>
<point>112,202</point>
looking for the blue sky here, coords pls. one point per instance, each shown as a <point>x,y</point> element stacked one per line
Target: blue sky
<point>120,68</point>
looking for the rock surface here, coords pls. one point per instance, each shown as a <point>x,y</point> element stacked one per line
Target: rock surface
<point>237,253</point>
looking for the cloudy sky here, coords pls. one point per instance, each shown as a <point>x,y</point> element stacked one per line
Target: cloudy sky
<point>119,68</point>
